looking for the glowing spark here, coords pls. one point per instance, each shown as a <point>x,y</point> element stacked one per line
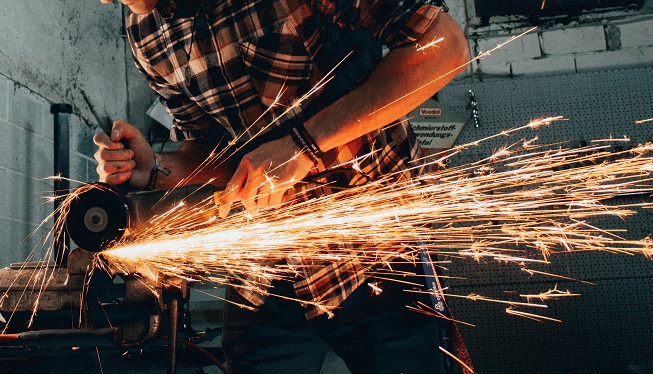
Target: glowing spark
<point>375,288</point>
<point>430,311</point>
<point>531,316</point>
<point>625,139</point>
<point>550,294</point>
<point>99,360</point>
<point>644,121</point>
<point>456,358</point>
<point>531,272</point>
<point>431,44</point>
<point>477,297</point>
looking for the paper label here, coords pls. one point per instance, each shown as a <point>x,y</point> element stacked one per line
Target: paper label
<point>436,134</point>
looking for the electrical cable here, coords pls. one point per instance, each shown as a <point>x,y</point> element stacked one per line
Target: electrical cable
<point>206,353</point>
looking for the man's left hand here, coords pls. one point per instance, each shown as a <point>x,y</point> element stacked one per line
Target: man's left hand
<point>264,175</point>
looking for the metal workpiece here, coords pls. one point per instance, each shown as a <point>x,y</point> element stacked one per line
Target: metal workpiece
<point>100,214</point>
<point>47,300</point>
<point>21,283</point>
<point>62,289</point>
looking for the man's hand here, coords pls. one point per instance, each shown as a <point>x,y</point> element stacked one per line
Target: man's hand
<point>264,175</point>
<point>118,164</point>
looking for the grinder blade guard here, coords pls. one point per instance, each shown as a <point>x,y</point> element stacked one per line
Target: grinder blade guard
<point>97,216</point>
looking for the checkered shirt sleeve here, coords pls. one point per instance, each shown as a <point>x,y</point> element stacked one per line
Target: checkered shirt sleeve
<point>230,64</point>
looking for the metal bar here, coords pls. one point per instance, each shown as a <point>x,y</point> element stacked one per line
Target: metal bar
<point>173,309</point>
<point>64,338</point>
<point>61,113</point>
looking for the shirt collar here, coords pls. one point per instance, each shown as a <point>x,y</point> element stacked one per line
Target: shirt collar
<point>169,9</point>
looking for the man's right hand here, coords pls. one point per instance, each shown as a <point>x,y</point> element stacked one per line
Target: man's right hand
<point>118,163</point>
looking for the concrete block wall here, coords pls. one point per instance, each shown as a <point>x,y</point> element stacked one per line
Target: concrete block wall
<point>64,51</point>
<point>619,40</point>
<point>26,165</point>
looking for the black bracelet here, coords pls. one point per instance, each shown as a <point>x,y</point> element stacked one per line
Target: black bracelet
<point>304,140</point>
<point>301,132</point>
<point>304,148</point>
<point>158,168</point>
<point>301,142</point>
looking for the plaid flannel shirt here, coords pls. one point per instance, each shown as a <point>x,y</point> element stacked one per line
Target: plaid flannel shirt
<point>220,71</point>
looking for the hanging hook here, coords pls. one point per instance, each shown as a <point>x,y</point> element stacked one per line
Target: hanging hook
<point>472,106</point>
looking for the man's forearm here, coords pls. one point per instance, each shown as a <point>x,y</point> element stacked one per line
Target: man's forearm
<point>404,79</point>
<point>194,163</point>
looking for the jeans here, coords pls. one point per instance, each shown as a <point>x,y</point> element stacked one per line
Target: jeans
<point>371,333</point>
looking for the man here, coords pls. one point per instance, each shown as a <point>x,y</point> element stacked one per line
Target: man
<point>232,72</point>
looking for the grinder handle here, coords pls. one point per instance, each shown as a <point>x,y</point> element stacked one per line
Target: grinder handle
<point>124,187</point>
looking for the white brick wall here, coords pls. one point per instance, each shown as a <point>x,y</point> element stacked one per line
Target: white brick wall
<point>573,40</point>
<point>607,60</point>
<point>637,34</point>
<point>500,62</point>
<point>565,48</point>
<point>26,161</point>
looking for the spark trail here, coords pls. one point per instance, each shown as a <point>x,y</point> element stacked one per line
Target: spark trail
<point>522,204</point>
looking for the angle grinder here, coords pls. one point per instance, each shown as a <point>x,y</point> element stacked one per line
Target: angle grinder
<point>100,214</point>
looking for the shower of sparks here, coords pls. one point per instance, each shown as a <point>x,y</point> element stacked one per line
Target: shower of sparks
<point>644,121</point>
<point>521,205</point>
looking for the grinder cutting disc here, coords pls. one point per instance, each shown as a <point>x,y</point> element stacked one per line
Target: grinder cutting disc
<point>97,217</point>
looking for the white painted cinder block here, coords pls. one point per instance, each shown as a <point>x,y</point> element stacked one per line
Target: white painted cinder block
<point>5,148</point>
<point>26,198</point>
<point>492,67</point>
<point>13,250</point>
<point>637,34</point>
<point>4,196</point>
<point>29,154</point>
<point>527,46</point>
<point>79,168</point>
<point>497,63</point>
<point>4,96</point>
<point>81,136</point>
<point>545,65</point>
<point>27,110</point>
<point>573,40</point>
<point>20,240</point>
<point>619,59</point>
